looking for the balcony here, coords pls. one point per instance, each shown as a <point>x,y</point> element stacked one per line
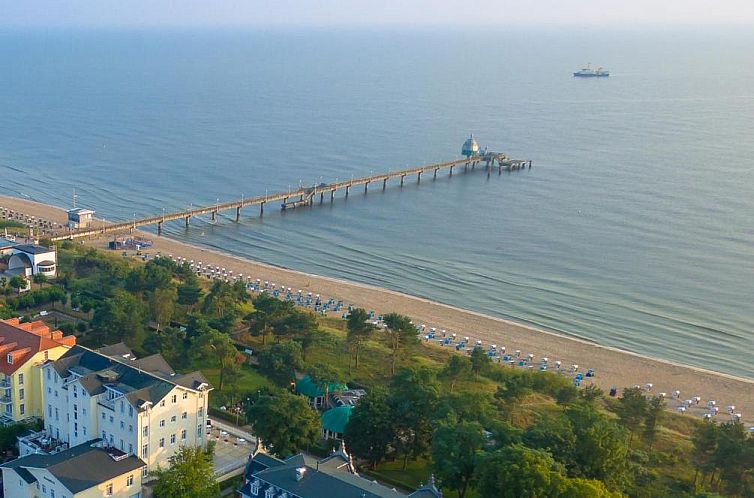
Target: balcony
<point>5,384</point>
<point>6,400</point>
<point>40,443</point>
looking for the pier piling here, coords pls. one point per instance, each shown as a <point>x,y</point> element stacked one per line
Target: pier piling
<point>303,196</point>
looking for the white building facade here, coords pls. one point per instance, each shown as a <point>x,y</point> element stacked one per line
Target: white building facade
<point>140,407</point>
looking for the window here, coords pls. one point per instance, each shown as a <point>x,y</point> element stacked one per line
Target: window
<point>103,416</point>
<point>49,410</point>
<point>162,403</point>
<point>172,439</point>
<point>199,430</point>
<point>255,488</point>
<point>104,435</point>
<point>268,493</point>
<point>130,480</point>
<point>162,442</point>
<point>52,491</point>
<point>130,428</point>
<point>145,431</point>
<point>145,451</point>
<point>44,489</point>
<point>75,391</point>
<point>83,411</point>
<point>84,429</point>
<point>185,395</point>
<point>20,394</point>
<point>184,415</point>
<point>162,422</point>
<point>111,419</point>
<point>56,393</point>
<point>122,407</point>
<point>10,359</point>
<point>172,419</point>
<point>22,409</point>
<point>20,379</point>
<point>122,445</point>
<point>109,490</point>
<point>144,472</point>
<point>175,398</point>
<point>49,390</point>
<point>48,372</point>
<point>57,414</point>
<point>201,412</point>
<point>130,411</point>
<point>122,425</point>
<point>183,434</point>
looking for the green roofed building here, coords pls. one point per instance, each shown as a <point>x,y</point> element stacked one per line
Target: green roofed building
<point>315,393</point>
<point>334,421</point>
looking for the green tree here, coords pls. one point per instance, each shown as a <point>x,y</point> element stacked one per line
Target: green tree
<point>653,418</point>
<point>517,472</point>
<point>479,360</point>
<point>400,333</point>
<point>281,361</point>
<point>457,368</point>
<point>162,305</point>
<point>553,433</point>
<point>369,431</point>
<point>284,422</point>
<point>191,473</point>
<point>121,318</point>
<point>359,331</point>
<point>601,448</point>
<point>632,409</point>
<point>189,292</point>
<point>456,452</point>
<point>39,279</point>
<point>733,456</point>
<point>302,327</point>
<point>17,282</point>
<point>268,313</point>
<point>413,402</point>
<point>582,488</point>
<point>704,440</point>
<point>218,348</point>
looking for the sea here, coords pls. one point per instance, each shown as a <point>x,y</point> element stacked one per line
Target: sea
<point>634,227</point>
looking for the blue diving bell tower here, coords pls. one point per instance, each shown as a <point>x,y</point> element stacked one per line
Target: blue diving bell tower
<point>470,147</point>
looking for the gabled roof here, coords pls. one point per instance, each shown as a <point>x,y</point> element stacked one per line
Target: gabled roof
<point>314,483</point>
<point>81,467</point>
<point>33,249</point>
<point>308,387</point>
<point>24,340</point>
<point>336,419</point>
<point>147,380</point>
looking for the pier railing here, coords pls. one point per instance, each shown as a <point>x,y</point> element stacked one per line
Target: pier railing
<point>301,196</point>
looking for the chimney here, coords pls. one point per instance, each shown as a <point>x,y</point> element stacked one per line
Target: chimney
<point>300,473</point>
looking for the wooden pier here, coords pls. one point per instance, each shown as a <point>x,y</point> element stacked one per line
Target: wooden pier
<point>305,196</point>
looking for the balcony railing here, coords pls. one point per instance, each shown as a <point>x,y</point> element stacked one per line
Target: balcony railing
<point>5,400</point>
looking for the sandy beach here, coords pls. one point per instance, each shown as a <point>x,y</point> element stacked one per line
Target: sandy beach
<point>613,367</point>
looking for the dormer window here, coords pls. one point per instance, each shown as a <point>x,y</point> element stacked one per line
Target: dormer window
<point>255,488</point>
<point>268,493</point>
<point>10,359</point>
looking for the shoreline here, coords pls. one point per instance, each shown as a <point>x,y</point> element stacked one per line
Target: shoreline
<point>613,366</point>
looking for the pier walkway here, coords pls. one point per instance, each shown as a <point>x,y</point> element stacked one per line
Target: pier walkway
<point>304,196</point>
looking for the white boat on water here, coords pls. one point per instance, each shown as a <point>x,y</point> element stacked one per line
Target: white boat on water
<point>588,72</point>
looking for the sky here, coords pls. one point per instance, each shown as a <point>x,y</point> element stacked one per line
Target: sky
<point>191,13</point>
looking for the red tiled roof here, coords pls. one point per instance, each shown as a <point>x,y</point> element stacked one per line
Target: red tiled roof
<point>23,340</point>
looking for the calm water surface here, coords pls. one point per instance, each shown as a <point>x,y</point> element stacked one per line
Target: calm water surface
<point>635,228</point>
